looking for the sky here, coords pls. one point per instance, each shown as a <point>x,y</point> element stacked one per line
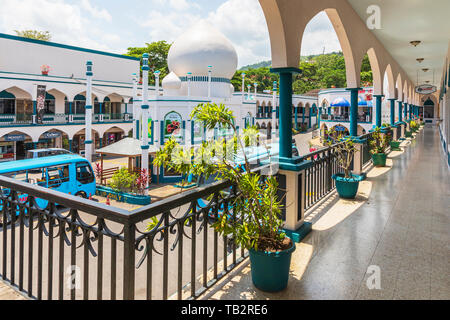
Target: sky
<point>115,25</point>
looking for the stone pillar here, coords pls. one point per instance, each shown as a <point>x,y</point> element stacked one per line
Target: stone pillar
<point>378,110</point>
<point>392,101</point>
<point>145,146</point>
<point>358,158</point>
<point>88,109</point>
<point>405,111</point>
<point>400,113</point>
<point>296,117</point>
<point>353,111</point>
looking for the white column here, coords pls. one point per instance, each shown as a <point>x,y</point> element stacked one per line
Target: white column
<point>135,113</point>
<point>209,80</point>
<point>88,109</point>
<point>145,107</point>
<point>249,88</point>
<point>274,112</point>
<point>155,127</point>
<point>256,89</point>
<point>243,87</point>
<point>189,77</point>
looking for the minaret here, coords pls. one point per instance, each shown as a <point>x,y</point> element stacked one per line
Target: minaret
<point>209,80</point>
<point>145,107</point>
<point>135,111</point>
<point>88,118</point>
<point>274,112</point>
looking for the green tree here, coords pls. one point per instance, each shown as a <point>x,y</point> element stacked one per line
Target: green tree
<point>158,52</point>
<point>34,34</point>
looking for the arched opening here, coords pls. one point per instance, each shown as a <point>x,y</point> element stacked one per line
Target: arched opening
<point>18,103</point>
<point>53,139</point>
<point>15,145</point>
<point>428,110</point>
<point>339,130</point>
<point>112,107</point>
<point>78,145</point>
<point>112,135</point>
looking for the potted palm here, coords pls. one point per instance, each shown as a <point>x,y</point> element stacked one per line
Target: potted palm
<point>347,183</point>
<point>378,147</point>
<point>257,226</point>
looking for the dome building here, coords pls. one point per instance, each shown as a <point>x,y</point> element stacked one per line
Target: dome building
<point>199,53</point>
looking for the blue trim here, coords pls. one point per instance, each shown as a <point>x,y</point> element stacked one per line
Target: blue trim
<point>298,235</point>
<point>145,147</point>
<point>88,142</point>
<point>64,46</point>
<point>88,107</point>
<point>145,107</point>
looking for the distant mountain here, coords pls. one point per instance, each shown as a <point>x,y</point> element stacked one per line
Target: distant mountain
<point>268,64</point>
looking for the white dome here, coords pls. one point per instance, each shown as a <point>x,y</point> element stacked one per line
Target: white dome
<point>171,82</point>
<point>202,46</point>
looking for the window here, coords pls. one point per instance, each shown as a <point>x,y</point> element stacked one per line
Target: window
<point>84,173</point>
<point>57,176</point>
<point>7,106</point>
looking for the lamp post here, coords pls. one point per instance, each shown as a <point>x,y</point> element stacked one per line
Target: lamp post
<point>88,110</point>
<point>249,87</point>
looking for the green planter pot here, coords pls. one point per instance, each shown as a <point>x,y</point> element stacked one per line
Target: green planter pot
<point>270,271</point>
<point>379,159</point>
<point>395,145</point>
<point>347,188</point>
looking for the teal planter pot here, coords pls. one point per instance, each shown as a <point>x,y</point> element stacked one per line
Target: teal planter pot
<point>395,146</point>
<point>270,270</point>
<point>379,159</point>
<point>123,197</point>
<point>347,188</point>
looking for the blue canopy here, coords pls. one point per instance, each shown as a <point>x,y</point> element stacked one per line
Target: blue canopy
<point>340,102</point>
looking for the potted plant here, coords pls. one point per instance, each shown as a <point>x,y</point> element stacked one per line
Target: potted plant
<point>378,146</point>
<point>347,183</point>
<point>45,69</point>
<point>257,226</point>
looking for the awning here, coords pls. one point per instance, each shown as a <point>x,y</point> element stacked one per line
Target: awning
<point>128,147</point>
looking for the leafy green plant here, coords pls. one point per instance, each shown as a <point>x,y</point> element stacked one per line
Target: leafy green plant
<point>379,142</point>
<point>123,180</point>
<point>345,150</point>
<point>256,223</point>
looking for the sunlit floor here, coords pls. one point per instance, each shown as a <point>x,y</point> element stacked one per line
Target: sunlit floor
<point>399,224</point>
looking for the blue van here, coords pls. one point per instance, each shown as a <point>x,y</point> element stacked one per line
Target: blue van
<point>69,174</point>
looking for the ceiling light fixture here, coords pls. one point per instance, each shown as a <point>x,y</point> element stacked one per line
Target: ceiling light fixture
<point>420,60</point>
<point>425,69</point>
<point>415,43</point>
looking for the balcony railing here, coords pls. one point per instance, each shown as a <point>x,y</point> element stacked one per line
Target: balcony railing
<point>79,249</point>
<point>345,118</point>
<point>109,252</point>
<point>61,118</point>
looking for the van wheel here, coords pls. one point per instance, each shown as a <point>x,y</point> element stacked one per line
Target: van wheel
<point>81,194</point>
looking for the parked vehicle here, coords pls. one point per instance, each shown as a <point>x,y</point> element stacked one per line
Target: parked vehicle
<point>68,173</point>
<point>39,153</point>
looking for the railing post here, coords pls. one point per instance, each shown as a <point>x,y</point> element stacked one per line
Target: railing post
<point>329,170</point>
<point>129,261</point>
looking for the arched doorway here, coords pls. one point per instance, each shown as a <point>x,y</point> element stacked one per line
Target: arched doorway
<point>428,110</point>
<point>14,146</point>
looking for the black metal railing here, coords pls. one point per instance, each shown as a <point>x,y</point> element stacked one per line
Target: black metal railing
<point>366,155</point>
<point>318,177</point>
<point>79,249</point>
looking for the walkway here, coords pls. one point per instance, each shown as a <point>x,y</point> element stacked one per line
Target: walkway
<point>7,293</point>
<point>402,227</point>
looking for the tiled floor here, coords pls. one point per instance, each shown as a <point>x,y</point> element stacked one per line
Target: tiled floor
<point>7,293</point>
<point>402,227</point>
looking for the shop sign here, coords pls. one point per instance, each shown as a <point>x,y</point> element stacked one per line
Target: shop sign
<point>52,135</point>
<point>15,137</point>
<point>340,128</point>
<point>426,89</point>
<point>172,126</point>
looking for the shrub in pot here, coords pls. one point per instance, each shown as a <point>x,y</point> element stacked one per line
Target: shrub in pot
<point>378,147</point>
<point>347,183</point>
<point>256,224</point>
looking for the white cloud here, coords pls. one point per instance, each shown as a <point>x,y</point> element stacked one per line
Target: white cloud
<point>65,22</point>
<point>96,12</point>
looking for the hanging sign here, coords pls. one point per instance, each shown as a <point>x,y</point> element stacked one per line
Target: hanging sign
<point>426,89</point>
<point>150,124</point>
<point>14,137</point>
<point>340,128</point>
<point>40,103</point>
<point>52,135</point>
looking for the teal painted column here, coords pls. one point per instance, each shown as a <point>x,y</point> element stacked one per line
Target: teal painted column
<point>405,111</point>
<point>303,115</point>
<point>378,110</point>
<point>319,114</point>
<point>353,111</point>
<point>400,114</point>
<point>286,115</point>
<point>296,117</point>
<point>410,111</point>
<point>285,141</point>
<point>392,111</point>
<point>309,116</point>
<point>70,145</point>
